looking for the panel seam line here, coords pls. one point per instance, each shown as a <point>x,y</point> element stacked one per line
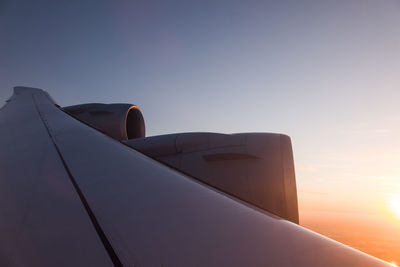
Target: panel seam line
<point>103,238</point>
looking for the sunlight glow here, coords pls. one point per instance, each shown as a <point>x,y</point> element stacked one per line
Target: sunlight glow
<point>395,206</point>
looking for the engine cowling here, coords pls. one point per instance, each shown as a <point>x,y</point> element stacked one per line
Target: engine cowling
<point>119,121</point>
<point>257,168</point>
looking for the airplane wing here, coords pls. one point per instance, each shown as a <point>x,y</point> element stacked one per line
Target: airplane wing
<point>73,196</point>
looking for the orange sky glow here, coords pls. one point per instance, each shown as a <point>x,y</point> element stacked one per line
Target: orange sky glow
<point>349,188</point>
<point>375,233</point>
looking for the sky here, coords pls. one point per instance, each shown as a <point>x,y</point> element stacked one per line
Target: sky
<point>324,72</point>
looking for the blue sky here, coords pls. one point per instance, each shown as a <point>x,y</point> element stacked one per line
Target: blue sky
<point>324,72</point>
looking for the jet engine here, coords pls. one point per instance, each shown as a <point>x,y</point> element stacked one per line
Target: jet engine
<point>119,121</point>
<point>256,168</point>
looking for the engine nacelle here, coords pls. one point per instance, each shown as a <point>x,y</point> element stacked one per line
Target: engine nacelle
<point>119,121</point>
<point>257,168</point>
